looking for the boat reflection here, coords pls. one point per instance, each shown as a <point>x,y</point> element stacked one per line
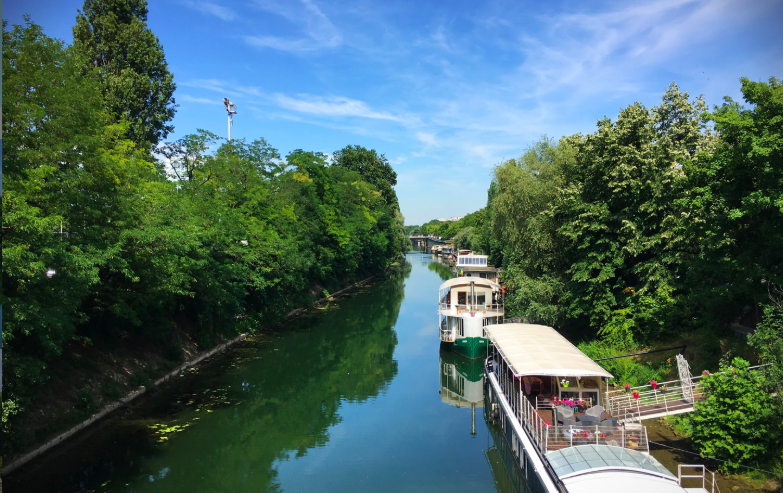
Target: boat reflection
<point>462,382</point>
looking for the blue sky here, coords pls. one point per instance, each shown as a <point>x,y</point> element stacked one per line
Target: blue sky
<point>445,89</point>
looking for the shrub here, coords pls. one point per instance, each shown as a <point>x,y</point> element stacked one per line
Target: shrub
<point>738,422</point>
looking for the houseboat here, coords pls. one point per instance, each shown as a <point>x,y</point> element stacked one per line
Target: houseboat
<point>472,265</point>
<point>465,306</point>
<point>462,383</point>
<point>546,397</point>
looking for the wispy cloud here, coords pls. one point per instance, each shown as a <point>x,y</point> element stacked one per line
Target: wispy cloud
<point>223,87</point>
<point>212,9</point>
<point>331,106</point>
<point>190,99</point>
<point>319,32</point>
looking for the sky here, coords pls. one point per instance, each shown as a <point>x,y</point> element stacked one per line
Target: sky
<point>445,90</point>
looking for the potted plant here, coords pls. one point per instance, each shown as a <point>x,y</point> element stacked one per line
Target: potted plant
<point>654,384</point>
<point>635,395</point>
<point>627,387</point>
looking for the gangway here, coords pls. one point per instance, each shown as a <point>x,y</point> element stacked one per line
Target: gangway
<point>670,398</point>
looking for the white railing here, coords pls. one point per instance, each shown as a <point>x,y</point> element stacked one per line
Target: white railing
<point>447,335</point>
<point>633,402</point>
<point>713,486</point>
<point>676,396</point>
<point>475,307</point>
<point>548,436</point>
<point>632,437</point>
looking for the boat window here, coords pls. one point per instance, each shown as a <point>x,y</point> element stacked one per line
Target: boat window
<point>481,299</point>
<point>462,298</point>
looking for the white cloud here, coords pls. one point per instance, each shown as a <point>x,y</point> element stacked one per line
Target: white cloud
<point>222,87</point>
<point>319,31</point>
<point>212,9</point>
<point>190,99</point>
<point>331,106</point>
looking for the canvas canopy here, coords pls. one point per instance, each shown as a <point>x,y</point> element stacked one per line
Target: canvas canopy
<point>465,281</point>
<point>540,350</point>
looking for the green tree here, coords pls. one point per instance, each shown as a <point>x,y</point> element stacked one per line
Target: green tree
<point>71,187</point>
<point>767,340</point>
<point>735,207</point>
<point>522,214</point>
<point>374,169</point>
<point>135,79</point>
<point>738,422</point>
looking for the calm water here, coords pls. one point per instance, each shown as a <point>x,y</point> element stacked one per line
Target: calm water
<point>347,398</point>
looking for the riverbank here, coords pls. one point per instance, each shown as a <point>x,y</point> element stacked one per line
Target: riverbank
<point>126,369</point>
<point>672,449</point>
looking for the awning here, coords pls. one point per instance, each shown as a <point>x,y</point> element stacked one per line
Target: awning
<point>465,281</point>
<point>540,350</point>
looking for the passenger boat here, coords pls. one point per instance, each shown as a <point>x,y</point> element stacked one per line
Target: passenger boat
<point>462,383</point>
<point>546,396</point>
<point>466,305</point>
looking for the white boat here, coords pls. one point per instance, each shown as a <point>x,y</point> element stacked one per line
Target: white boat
<point>465,306</point>
<point>531,370</point>
<point>470,264</point>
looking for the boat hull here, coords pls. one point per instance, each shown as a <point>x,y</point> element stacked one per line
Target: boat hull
<point>470,347</point>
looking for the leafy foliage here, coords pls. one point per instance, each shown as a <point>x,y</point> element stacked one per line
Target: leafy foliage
<point>221,238</point>
<point>113,37</point>
<point>738,422</point>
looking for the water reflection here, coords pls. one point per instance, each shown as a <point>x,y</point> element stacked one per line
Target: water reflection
<point>462,382</point>
<point>443,270</point>
<point>272,400</point>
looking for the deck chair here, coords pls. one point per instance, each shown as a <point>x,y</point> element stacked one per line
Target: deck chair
<point>596,412</point>
<point>564,413</point>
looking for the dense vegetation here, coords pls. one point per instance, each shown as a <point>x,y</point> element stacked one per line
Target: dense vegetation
<point>664,222</point>
<point>466,232</point>
<point>230,241</point>
<point>663,225</point>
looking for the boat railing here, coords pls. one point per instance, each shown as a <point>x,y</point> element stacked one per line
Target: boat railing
<point>630,436</point>
<point>707,477</point>
<point>669,397</point>
<point>548,435</point>
<point>447,335</point>
<point>475,307</point>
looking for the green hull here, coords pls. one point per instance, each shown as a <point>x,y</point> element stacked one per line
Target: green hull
<point>470,347</point>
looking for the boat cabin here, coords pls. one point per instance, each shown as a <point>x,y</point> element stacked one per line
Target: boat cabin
<point>473,265</point>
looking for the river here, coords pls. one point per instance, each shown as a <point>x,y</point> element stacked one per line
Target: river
<point>354,396</point>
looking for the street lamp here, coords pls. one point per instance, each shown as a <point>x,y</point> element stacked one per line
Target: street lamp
<point>232,110</point>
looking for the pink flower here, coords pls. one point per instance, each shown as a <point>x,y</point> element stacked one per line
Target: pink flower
<point>636,395</point>
<point>654,384</point>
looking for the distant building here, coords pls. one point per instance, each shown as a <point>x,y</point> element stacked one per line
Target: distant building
<point>455,218</point>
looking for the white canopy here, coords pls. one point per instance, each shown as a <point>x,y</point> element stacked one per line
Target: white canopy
<point>465,281</point>
<point>540,350</point>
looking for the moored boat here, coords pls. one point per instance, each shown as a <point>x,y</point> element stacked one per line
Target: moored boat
<point>466,305</point>
<point>546,396</point>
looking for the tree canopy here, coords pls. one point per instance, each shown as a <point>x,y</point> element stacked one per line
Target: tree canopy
<point>116,45</point>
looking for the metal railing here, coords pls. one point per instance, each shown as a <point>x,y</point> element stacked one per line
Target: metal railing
<point>447,335</point>
<point>675,397</point>
<point>549,436</point>
<point>636,401</point>
<point>474,307</point>
<point>713,486</point>
<point>632,437</point>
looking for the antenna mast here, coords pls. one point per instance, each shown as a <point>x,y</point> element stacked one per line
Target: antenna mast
<point>232,110</point>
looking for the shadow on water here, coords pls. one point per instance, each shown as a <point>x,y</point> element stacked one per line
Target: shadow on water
<point>230,427</point>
